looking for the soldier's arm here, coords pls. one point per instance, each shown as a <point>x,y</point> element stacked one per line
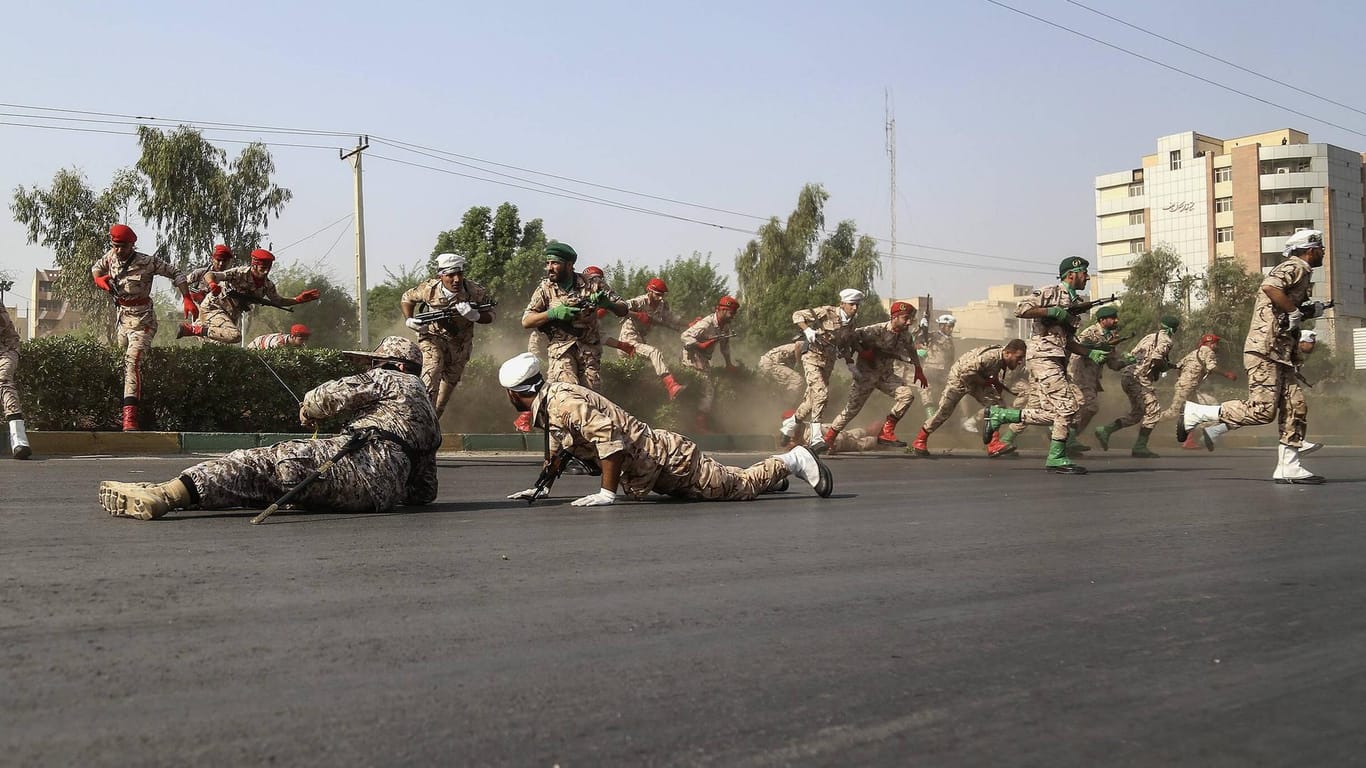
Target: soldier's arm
<point>407,303</point>
<point>339,396</point>
<point>422,483</point>
<point>692,334</point>
<point>534,316</point>
<point>166,269</point>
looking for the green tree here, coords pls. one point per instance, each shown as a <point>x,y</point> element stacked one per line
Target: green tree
<point>1227,293</point>
<point>694,283</point>
<point>1151,281</point>
<point>384,316</point>
<point>332,318</point>
<point>503,254</point>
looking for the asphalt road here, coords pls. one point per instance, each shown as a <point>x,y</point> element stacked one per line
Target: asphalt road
<point>954,611</point>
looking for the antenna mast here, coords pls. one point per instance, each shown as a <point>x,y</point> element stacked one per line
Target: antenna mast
<point>890,126</point>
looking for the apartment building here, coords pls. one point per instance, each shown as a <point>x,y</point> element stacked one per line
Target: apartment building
<point>48,313</point>
<point>1207,198</point>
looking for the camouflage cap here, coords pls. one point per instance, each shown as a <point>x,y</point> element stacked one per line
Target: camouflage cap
<point>391,349</point>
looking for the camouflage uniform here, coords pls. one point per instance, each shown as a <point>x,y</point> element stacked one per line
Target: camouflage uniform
<point>1270,354</point>
<point>776,364</point>
<point>633,332</point>
<point>446,344</point>
<point>1138,379</point>
<point>9,365</point>
<point>699,359</point>
<point>1085,374</point>
<point>1195,366</point>
<point>1051,399</point>
<point>970,374</point>
<point>270,341</point>
<point>137,317</point>
<point>574,349</point>
<point>592,427</point>
<point>397,466</point>
<point>884,345</point>
<point>939,357</point>
<point>835,338</point>
<point>219,314</point>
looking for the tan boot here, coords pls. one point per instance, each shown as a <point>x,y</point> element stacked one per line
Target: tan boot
<point>144,501</point>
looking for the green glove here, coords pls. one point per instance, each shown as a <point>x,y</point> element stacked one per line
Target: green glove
<point>922,353</point>
<point>1098,356</point>
<point>600,299</point>
<point>1129,359</point>
<point>1058,314</point>
<point>563,312</point>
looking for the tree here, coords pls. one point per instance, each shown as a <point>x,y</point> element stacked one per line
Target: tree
<point>1227,293</point>
<point>694,283</point>
<point>503,255</point>
<point>382,301</point>
<point>196,197</point>
<point>1146,290</point>
<point>332,318</point>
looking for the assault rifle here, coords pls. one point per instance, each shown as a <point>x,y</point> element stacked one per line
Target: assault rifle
<point>1087,306</point>
<point>448,312</point>
<point>554,467</point>
<point>1109,346</point>
<point>246,301</point>
<point>1310,310</point>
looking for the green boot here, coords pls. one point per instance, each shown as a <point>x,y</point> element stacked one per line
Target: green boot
<point>994,417</point>
<point>1103,434</point>
<point>1058,462</point>
<point>1074,446</point>
<point>1140,450</point>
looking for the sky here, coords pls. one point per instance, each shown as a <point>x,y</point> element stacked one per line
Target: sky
<point>1002,122</point>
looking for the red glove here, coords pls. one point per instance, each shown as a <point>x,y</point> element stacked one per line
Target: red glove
<point>197,296</point>
<point>920,378</point>
<point>103,282</point>
<point>1230,375</point>
<point>629,349</point>
<point>641,317</point>
<point>214,288</point>
<point>867,355</point>
<point>601,313</point>
<point>191,311</point>
<point>706,344</point>
<point>311,294</point>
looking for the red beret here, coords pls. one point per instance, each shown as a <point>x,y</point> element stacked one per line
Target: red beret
<point>902,307</point>
<point>299,329</point>
<point>656,285</point>
<point>261,254</point>
<point>728,302</point>
<point>1209,338</point>
<point>122,234</point>
<point>593,271</point>
<point>222,252</point>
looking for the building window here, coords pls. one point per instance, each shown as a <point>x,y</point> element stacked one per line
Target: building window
<point>1270,260</point>
<point>1135,217</point>
<point>1135,246</point>
<point>1223,174</point>
<point>1174,158</point>
<point>1223,235</point>
<point>1136,190</point>
<point>1223,204</point>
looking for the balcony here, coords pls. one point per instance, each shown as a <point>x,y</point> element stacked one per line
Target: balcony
<point>1121,204</point>
<point>1293,180</point>
<point>1115,234</point>
<point>1292,212</point>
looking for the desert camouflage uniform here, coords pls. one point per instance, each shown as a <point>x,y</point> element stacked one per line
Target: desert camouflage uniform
<point>1270,355</point>
<point>446,344</point>
<point>886,345</point>
<point>137,317</point>
<point>1138,379</point>
<point>270,341</point>
<point>776,364</point>
<point>574,349</point>
<point>939,357</point>
<point>1051,399</point>
<point>633,332</point>
<point>9,365</point>
<point>834,339</point>
<point>970,374</point>
<point>592,428</point>
<point>395,467</point>
<point>219,314</point>
<point>854,440</point>
<point>1086,375</point>
<point>1195,366</point>
<point>699,359</point>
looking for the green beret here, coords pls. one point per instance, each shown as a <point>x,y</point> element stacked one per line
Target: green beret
<point>1171,321</point>
<point>1107,311</point>
<point>560,252</point>
<point>1073,264</point>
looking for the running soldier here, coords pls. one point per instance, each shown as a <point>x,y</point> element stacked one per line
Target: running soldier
<point>563,308</point>
<point>628,350</point>
<point>636,459</point>
<point>234,291</point>
<point>1085,372</point>
<point>386,456</point>
<point>777,366</point>
<point>700,341</point>
<point>219,260</point>
<point>880,346</point>
<point>646,312</point>
<point>127,274</point>
<point>1195,366</point>
<point>980,373</point>
<point>1147,361</point>
<point>830,334</point>
<point>9,392</point>
<point>1051,399</point>
<point>297,337</point>
<point>939,357</point>
<point>446,343</point>
<point>1270,354</point>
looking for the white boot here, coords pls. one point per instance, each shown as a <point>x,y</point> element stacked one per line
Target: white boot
<point>1212,433</point>
<point>1192,416</point>
<point>804,464</point>
<point>1289,471</point>
<point>1308,448</point>
<point>789,427</point>
<point>18,440</point>
<point>816,437</point>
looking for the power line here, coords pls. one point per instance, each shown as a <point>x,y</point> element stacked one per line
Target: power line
<point>347,217</point>
<point>148,119</point>
<point>75,129</point>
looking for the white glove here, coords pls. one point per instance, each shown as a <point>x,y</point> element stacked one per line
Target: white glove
<point>530,494</point>
<point>467,311</point>
<point>1294,319</point>
<point>602,498</point>
<point>413,323</point>
<point>810,334</point>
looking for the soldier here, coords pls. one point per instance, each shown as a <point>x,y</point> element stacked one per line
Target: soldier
<point>297,337</point>
<point>646,312</point>
<point>1147,361</point>
<point>628,350</point>
<point>700,340</point>
<point>1270,354</point>
<point>635,458</point>
<point>1195,366</point>
<point>776,365</point>
<point>830,334</point>
<point>446,343</point>
<point>562,307</point>
<point>9,392</point>
<point>386,456</point>
<point>939,357</point>
<point>219,260</point>
<point>1051,399</point>
<point>233,291</point>
<point>979,373</point>
<point>127,274</point>
<point>1085,373</point>
<point>880,346</point>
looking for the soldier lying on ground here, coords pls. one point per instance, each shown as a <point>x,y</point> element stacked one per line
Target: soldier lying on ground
<point>391,439</point>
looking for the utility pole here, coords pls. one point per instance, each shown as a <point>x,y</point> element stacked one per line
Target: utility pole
<point>362,305</point>
<point>890,125</point>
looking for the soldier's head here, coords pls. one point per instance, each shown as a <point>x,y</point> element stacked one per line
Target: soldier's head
<point>1073,271</point>
<point>521,377</point>
<point>655,290</point>
<point>1308,339</point>
<point>1108,317</point>
<point>850,299</point>
<point>261,262</point>
<point>1307,244</point>
<point>946,324</point>
<point>122,238</point>
<point>903,314</point>
<point>1013,354</point>
<point>559,262</point>
<point>299,333</point>
<point>726,309</point>
<point>450,270</point>
<point>221,257</point>
<point>1209,340</point>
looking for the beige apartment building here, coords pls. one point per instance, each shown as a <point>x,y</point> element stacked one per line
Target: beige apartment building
<point>1208,198</point>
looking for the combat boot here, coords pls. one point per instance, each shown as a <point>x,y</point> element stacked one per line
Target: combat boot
<point>995,416</point>
<point>828,437</point>
<point>1192,416</point>
<point>804,464</point>
<point>1288,469</point>
<point>189,329</point>
<point>1001,443</point>
<point>1140,449</point>
<point>18,438</point>
<point>1190,443</point>
<point>1103,434</point>
<point>672,386</point>
<point>888,436</point>
<point>1074,446</point>
<point>523,422</point>
<point>816,438</point>
<point>143,501</point>
<point>921,445</point>
<point>130,417</point>
<point>1058,462</point>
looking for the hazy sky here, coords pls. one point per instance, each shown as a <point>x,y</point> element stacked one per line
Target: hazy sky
<point>1002,122</point>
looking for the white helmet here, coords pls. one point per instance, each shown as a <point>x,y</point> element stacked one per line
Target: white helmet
<point>449,263</point>
<point>947,320</point>
<point>520,371</point>
<point>1303,241</point>
<point>851,296</point>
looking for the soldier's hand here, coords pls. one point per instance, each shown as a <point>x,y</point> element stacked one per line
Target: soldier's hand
<point>810,334</point>
<point>1058,314</point>
<point>1293,320</point>
<point>1097,356</point>
<point>215,288</point>
<point>600,299</point>
<point>312,294</point>
<point>920,378</point>
<point>562,312</point>
<point>530,494</point>
<point>413,324</point>
<point>103,282</point>
<point>1312,309</point>
<point>1230,375</point>
<point>467,311</point>
<point>602,498</point>
<point>191,311</point>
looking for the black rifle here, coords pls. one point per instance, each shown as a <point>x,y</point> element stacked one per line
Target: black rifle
<point>448,312</point>
<point>353,443</point>
<point>1109,346</point>
<point>554,466</point>
<point>1310,310</point>
<point>1087,306</point>
<point>247,300</point>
